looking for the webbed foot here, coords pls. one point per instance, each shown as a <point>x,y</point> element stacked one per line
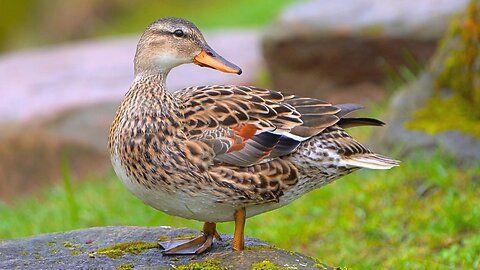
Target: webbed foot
<point>193,246</point>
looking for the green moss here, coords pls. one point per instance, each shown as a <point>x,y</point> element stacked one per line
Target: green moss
<point>126,266</point>
<point>455,104</point>
<point>120,249</point>
<point>74,253</point>
<point>52,246</point>
<point>205,265</point>
<point>70,245</point>
<point>444,114</point>
<point>51,243</point>
<point>259,247</point>
<point>184,236</point>
<point>163,238</point>
<point>461,69</point>
<point>266,265</point>
<point>37,256</point>
<point>313,259</point>
<point>178,237</point>
<point>319,266</point>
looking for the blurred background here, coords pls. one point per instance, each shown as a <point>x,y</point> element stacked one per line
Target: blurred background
<point>65,65</point>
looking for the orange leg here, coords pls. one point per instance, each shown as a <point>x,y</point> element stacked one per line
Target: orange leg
<point>196,245</point>
<point>238,242</point>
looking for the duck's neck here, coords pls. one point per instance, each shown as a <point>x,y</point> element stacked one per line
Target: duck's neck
<point>153,78</point>
<point>151,106</point>
<point>149,96</point>
<point>152,86</point>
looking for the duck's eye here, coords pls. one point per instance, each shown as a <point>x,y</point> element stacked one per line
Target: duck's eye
<point>178,33</point>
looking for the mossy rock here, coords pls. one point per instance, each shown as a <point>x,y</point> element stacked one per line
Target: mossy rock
<point>137,248</point>
<point>455,100</point>
<point>441,109</point>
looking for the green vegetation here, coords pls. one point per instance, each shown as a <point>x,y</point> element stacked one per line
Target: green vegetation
<point>423,214</point>
<point>70,245</point>
<point>395,77</point>
<point>120,249</point>
<point>205,265</point>
<point>185,236</point>
<point>205,13</point>
<point>74,253</point>
<point>126,266</point>
<point>258,247</point>
<point>30,23</point>
<point>266,265</point>
<point>456,101</point>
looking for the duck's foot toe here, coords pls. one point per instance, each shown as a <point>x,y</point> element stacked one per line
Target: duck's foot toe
<point>192,246</point>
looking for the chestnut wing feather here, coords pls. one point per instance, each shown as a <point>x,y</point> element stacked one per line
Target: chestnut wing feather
<point>248,125</point>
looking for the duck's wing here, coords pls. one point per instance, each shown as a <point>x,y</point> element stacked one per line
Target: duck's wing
<point>248,125</point>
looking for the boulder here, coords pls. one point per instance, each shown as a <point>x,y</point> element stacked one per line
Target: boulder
<point>58,103</point>
<point>340,51</point>
<point>137,248</point>
<point>441,109</point>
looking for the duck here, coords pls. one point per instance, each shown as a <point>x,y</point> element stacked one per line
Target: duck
<point>221,153</point>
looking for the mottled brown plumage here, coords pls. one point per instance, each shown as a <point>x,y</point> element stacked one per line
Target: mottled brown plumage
<point>223,152</point>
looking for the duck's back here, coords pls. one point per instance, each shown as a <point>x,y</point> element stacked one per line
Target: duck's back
<point>272,147</point>
<point>248,125</point>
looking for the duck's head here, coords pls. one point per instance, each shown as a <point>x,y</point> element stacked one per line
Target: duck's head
<point>170,42</point>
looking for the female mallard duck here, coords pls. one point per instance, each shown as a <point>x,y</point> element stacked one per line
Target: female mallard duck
<point>223,152</point>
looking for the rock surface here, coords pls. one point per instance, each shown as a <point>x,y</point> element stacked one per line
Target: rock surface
<point>82,249</point>
<point>58,103</point>
<point>463,147</point>
<point>339,50</point>
<point>446,99</point>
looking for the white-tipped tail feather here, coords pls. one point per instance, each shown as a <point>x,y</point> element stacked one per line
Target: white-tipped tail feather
<point>371,161</point>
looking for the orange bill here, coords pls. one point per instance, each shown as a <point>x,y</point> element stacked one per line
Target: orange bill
<point>209,58</point>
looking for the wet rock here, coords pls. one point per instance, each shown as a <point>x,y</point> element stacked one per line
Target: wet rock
<point>339,50</point>
<point>137,248</point>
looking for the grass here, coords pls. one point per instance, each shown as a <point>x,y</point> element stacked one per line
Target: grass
<point>207,14</point>
<point>399,76</point>
<point>26,22</point>
<point>422,214</point>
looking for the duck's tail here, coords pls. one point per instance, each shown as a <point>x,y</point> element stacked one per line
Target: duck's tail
<point>371,161</point>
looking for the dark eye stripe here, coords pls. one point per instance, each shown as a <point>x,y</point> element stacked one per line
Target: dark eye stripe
<point>161,32</point>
